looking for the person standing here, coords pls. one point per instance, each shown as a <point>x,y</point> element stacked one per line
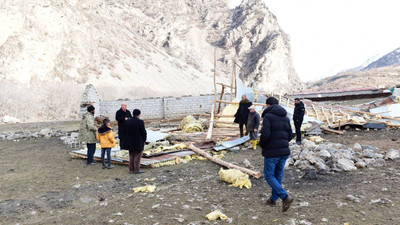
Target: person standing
<point>135,137</point>
<point>298,116</point>
<point>276,132</point>
<point>122,115</point>
<point>107,141</point>
<point>253,122</point>
<point>242,114</point>
<point>87,133</point>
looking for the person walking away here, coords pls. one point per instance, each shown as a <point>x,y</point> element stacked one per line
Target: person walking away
<point>253,122</point>
<point>122,115</point>
<point>135,137</point>
<point>298,116</point>
<point>242,114</point>
<point>276,132</point>
<point>87,133</point>
<point>107,141</point>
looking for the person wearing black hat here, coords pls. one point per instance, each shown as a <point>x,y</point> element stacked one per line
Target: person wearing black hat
<point>242,114</point>
<point>276,132</point>
<point>135,137</point>
<point>122,115</point>
<point>87,133</point>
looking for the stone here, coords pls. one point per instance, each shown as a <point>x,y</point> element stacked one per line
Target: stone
<point>392,154</point>
<point>321,167</point>
<point>10,119</point>
<point>311,158</point>
<point>45,132</point>
<point>309,144</point>
<point>310,175</point>
<point>360,164</point>
<point>369,161</point>
<point>368,153</point>
<point>247,164</point>
<point>324,154</point>
<point>346,165</point>
<point>379,163</point>
<point>357,147</point>
<point>304,153</point>
<point>303,164</point>
<point>370,147</point>
<point>352,198</point>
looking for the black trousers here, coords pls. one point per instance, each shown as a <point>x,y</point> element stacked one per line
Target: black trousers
<point>297,125</point>
<point>241,129</point>
<point>91,149</point>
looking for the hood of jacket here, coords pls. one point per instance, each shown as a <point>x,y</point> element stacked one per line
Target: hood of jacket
<point>104,130</point>
<point>276,110</point>
<point>87,114</point>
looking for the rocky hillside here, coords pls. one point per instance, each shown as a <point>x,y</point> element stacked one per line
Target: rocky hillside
<point>381,72</point>
<point>131,49</point>
<point>384,77</point>
<point>390,59</point>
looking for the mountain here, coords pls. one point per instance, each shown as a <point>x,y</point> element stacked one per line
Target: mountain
<point>49,51</point>
<point>380,71</point>
<point>390,59</point>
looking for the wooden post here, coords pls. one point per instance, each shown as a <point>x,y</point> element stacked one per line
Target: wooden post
<point>233,77</point>
<point>211,126</point>
<point>220,98</point>
<point>287,102</point>
<point>255,174</point>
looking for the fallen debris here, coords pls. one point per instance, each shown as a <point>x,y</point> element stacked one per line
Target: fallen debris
<point>255,174</point>
<point>148,188</point>
<point>235,177</point>
<point>215,215</point>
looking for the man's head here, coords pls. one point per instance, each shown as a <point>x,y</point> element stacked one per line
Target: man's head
<point>271,101</point>
<point>296,101</point>
<point>106,122</point>
<point>252,109</point>
<point>91,109</point>
<point>124,106</point>
<point>136,112</point>
<point>244,97</point>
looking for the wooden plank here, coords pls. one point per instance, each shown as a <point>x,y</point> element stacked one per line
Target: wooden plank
<point>331,131</point>
<point>220,98</point>
<point>316,113</point>
<point>255,174</point>
<point>236,103</point>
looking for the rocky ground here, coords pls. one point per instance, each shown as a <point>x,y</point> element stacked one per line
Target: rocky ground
<point>41,184</point>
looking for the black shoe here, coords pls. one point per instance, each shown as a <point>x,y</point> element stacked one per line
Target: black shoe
<point>271,203</point>
<point>286,203</point>
<point>110,167</point>
<point>138,172</point>
<point>298,142</point>
<point>104,166</point>
<point>91,164</point>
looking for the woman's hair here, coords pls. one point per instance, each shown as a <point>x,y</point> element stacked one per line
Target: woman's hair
<point>105,121</point>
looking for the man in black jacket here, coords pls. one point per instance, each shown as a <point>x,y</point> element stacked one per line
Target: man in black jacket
<point>121,116</point>
<point>298,116</point>
<point>135,136</point>
<point>242,114</point>
<point>276,132</point>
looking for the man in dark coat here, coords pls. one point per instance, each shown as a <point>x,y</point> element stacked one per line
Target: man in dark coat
<point>121,116</point>
<point>253,122</point>
<point>135,136</point>
<point>276,132</point>
<point>298,116</point>
<point>242,114</point>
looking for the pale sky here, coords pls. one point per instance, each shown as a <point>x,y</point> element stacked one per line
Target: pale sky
<point>329,36</point>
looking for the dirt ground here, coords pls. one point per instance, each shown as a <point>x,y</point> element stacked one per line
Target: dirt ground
<point>41,184</point>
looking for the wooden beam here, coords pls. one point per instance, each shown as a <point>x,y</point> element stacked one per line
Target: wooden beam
<point>331,130</point>
<point>255,174</point>
<point>228,102</point>
<point>220,98</point>
<point>225,85</point>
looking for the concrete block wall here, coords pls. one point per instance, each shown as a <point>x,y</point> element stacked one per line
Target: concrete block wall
<point>152,108</point>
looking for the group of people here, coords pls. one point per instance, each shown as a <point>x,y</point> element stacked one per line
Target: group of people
<point>276,133</point>
<point>131,133</point>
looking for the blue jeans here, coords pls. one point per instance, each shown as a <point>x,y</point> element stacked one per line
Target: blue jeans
<point>91,149</point>
<point>103,152</point>
<point>273,174</point>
